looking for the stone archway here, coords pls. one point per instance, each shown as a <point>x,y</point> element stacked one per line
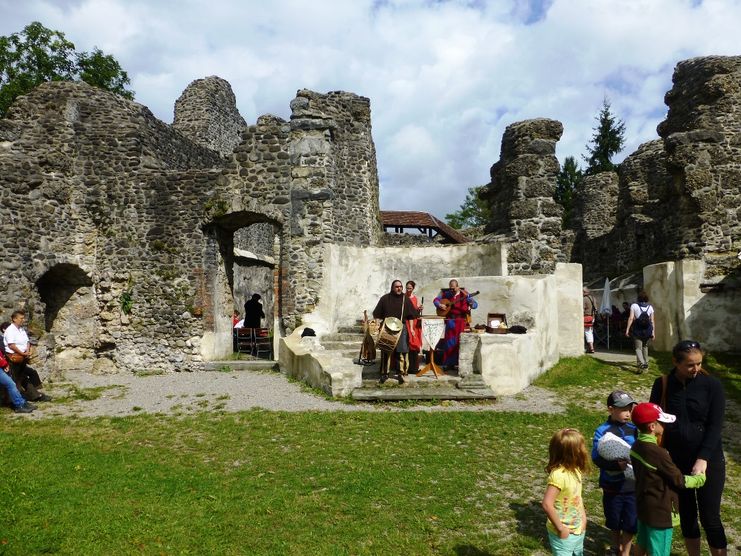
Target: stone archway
<point>70,316</point>
<point>242,257</point>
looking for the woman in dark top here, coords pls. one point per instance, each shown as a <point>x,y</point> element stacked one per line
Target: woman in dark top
<point>694,442</point>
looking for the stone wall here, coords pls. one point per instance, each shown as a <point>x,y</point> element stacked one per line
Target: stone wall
<point>674,198</point>
<point>207,114</point>
<point>334,194</point>
<point>686,308</point>
<point>520,195</point>
<point>549,306</point>
<point>102,198</point>
<point>677,197</point>
<point>130,242</point>
<point>702,140</point>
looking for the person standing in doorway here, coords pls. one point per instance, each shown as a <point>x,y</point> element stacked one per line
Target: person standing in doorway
<point>641,320</point>
<point>253,313</point>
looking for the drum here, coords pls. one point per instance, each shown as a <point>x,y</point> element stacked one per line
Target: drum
<point>389,334</point>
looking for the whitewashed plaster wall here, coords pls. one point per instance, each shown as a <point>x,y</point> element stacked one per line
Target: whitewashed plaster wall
<point>569,309</point>
<point>549,306</point>
<point>684,312</point>
<point>357,276</point>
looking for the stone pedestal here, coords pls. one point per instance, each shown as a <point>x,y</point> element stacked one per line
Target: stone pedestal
<point>469,364</point>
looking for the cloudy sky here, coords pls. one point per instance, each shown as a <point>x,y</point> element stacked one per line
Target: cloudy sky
<point>445,77</point>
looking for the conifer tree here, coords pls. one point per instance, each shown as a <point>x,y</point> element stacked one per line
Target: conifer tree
<point>567,182</point>
<point>608,140</point>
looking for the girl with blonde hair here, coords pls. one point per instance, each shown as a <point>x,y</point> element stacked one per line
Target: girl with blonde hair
<point>562,502</point>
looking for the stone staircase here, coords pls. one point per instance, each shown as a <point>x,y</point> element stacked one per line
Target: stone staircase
<point>347,341</point>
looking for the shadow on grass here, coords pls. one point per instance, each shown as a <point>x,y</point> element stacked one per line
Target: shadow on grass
<point>531,522</point>
<point>626,367</point>
<point>468,550</point>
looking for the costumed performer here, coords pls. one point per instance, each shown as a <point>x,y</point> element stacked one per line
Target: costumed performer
<point>395,304</point>
<point>414,328</point>
<point>461,303</point>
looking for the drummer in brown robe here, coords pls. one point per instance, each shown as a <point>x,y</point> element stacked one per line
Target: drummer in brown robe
<point>395,304</point>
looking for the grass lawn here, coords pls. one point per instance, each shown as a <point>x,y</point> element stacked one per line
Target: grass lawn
<point>258,482</point>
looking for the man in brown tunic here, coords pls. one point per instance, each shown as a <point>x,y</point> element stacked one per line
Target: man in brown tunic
<point>395,304</point>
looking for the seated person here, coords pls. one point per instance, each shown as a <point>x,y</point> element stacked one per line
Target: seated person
<point>20,405</point>
<point>16,342</point>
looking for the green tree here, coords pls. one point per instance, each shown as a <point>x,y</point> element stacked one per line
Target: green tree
<point>473,212</point>
<point>608,140</point>
<point>567,182</point>
<point>102,70</point>
<point>37,55</point>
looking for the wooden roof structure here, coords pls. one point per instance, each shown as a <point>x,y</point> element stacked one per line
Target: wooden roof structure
<point>400,220</point>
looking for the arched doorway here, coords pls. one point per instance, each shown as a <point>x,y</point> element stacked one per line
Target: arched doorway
<point>70,315</point>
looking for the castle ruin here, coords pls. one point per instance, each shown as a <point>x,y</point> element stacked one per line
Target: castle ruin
<point>674,202</point>
<point>129,241</point>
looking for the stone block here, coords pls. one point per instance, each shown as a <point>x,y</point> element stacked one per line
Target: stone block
<point>525,209</point>
<point>539,187</point>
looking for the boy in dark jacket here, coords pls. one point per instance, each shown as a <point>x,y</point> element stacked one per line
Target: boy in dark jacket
<point>618,492</point>
<point>657,481</point>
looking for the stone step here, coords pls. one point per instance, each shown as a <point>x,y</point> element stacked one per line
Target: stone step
<point>354,329</point>
<point>370,380</point>
<point>242,365</point>
<point>340,345</point>
<point>415,393</point>
<point>342,337</point>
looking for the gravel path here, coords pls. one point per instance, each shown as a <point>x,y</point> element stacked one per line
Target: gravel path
<point>182,393</point>
<point>85,395</point>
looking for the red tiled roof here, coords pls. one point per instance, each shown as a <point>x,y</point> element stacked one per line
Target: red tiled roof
<point>414,219</point>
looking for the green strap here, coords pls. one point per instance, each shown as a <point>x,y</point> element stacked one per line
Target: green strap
<point>635,456</point>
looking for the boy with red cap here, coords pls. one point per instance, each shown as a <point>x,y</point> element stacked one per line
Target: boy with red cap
<point>657,480</point>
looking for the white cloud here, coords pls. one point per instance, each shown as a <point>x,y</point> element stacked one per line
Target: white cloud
<point>444,77</point>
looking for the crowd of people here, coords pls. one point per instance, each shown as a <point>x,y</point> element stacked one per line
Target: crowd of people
<point>454,304</point>
<point>21,381</point>
<point>661,464</point>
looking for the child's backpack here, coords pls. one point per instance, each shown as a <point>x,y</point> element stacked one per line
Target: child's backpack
<point>642,327</point>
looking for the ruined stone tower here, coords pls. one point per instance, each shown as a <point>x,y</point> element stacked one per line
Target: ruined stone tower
<point>520,195</point>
